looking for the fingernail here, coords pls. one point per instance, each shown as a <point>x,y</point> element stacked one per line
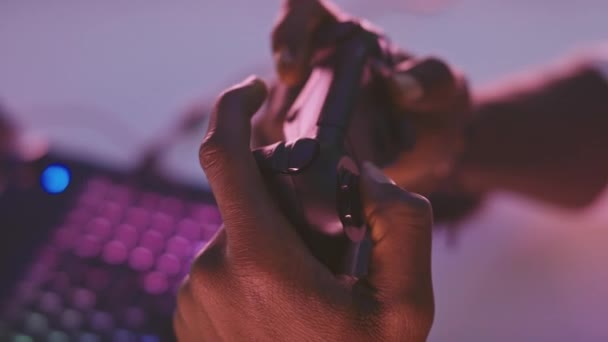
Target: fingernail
<point>376,174</point>
<point>411,89</point>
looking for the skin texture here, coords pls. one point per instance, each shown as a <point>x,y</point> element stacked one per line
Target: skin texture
<point>256,281</point>
<point>542,135</point>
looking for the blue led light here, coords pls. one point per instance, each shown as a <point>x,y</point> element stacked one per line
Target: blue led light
<point>55,179</point>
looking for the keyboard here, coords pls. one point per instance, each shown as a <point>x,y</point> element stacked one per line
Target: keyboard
<point>109,262</point>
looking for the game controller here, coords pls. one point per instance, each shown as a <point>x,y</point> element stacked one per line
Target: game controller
<point>313,173</point>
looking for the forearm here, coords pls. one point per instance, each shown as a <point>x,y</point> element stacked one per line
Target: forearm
<point>546,137</point>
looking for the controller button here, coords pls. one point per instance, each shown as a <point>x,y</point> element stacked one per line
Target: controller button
<point>302,153</point>
<point>280,159</point>
<point>349,204</point>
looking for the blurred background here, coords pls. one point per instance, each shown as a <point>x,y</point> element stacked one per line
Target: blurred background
<point>103,79</point>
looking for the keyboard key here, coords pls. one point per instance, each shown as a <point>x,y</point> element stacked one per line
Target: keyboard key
<point>189,229</point>
<point>100,227</point>
<point>179,247</point>
<point>141,259</point>
<point>128,235</point>
<point>102,321</point>
<point>171,206</point>
<point>71,319</point>
<point>50,303</point>
<point>88,337</point>
<point>88,247</point>
<point>58,336</point>
<point>156,283</point>
<point>36,324</point>
<point>149,338</point>
<point>115,252</point>
<point>88,201</point>
<point>169,264</point>
<point>83,299</point>
<point>153,241</point>
<point>135,317</point>
<point>123,336</point>
<point>206,213</point>
<point>65,237</point>
<point>138,217</point>
<point>163,224</point>
<point>22,338</point>
<point>78,216</point>
<point>39,273</point>
<point>111,211</point>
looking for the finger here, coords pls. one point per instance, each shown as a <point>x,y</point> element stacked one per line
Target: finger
<point>400,225</point>
<point>256,230</point>
<point>191,322</point>
<point>293,37</point>
<point>425,85</point>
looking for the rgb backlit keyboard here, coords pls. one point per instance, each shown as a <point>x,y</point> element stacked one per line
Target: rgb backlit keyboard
<point>110,270</point>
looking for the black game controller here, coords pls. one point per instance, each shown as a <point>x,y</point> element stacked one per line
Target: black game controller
<point>313,175</point>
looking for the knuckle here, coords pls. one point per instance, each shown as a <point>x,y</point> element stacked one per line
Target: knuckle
<point>415,202</point>
<point>229,100</point>
<point>401,204</point>
<point>212,150</point>
<point>399,198</point>
<point>207,268</point>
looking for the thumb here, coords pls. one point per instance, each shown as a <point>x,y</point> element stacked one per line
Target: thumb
<point>231,118</point>
<point>400,225</point>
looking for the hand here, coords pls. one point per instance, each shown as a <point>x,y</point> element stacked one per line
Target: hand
<point>257,281</point>
<point>293,43</point>
<point>432,97</point>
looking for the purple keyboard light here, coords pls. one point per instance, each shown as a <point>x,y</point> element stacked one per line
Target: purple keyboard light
<point>111,269</point>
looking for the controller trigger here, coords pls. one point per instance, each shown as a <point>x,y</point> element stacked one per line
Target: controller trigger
<point>290,158</point>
